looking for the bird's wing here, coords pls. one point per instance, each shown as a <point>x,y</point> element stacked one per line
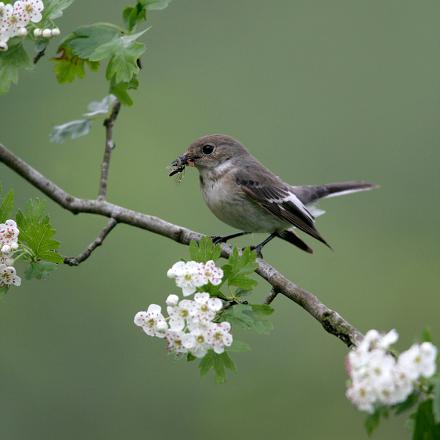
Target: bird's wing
<point>276,197</point>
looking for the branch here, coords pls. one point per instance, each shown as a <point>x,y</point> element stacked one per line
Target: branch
<point>76,261</point>
<point>329,319</point>
<point>109,147</point>
<point>272,295</point>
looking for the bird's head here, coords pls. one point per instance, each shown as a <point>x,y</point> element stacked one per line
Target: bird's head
<point>210,152</point>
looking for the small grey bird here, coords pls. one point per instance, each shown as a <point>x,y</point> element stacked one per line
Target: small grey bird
<point>244,194</point>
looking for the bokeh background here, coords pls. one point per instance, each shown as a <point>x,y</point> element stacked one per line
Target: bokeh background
<point>319,91</point>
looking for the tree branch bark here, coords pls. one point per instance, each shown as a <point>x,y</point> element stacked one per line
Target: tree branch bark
<point>329,319</point>
<point>109,147</point>
<point>83,256</point>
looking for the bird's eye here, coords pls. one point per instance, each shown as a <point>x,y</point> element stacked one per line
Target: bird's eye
<point>208,149</point>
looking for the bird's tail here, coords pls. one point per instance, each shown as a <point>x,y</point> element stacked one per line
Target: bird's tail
<point>289,236</point>
<point>311,193</point>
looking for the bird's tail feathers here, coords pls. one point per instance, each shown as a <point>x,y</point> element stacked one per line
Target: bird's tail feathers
<point>292,238</point>
<point>311,193</point>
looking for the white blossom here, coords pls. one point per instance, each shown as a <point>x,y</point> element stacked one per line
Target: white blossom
<point>179,341</point>
<point>188,276</point>
<point>32,10</point>
<point>212,273</point>
<point>206,307</point>
<point>8,276</point>
<point>379,378</point>
<point>152,321</point>
<point>8,236</point>
<point>14,18</point>
<point>190,326</point>
<point>181,314</point>
<point>201,342</point>
<point>419,360</point>
<point>219,336</point>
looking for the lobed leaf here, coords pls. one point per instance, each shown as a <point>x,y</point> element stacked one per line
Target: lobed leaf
<point>54,8</point>
<point>40,270</point>
<point>6,206</point>
<point>219,363</point>
<point>250,317</point>
<point>11,62</point>
<point>37,233</point>
<point>204,250</point>
<point>425,427</point>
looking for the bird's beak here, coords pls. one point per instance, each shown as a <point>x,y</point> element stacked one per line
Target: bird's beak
<point>181,161</point>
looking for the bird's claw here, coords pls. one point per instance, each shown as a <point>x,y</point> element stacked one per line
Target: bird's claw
<point>257,250</point>
<point>217,239</point>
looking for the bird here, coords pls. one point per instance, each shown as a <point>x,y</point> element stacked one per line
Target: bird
<point>241,192</point>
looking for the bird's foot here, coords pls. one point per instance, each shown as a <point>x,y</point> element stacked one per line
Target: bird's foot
<point>217,239</point>
<point>257,249</point>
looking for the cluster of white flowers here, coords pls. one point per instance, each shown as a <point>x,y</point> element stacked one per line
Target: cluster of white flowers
<point>14,19</point>
<point>191,275</point>
<point>8,245</point>
<point>379,378</point>
<point>189,326</point>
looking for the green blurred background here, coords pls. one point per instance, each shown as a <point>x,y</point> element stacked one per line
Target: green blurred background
<point>319,91</point>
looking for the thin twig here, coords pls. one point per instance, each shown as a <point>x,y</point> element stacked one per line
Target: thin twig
<point>40,54</point>
<point>272,295</point>
<point>109,147</point>
<point>76,261</point>
<point>329,319</point>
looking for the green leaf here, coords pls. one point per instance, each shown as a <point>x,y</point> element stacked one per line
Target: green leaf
<point>86,40</point>
<point>40,270</point>
<point>204,250</point>
<point>219,363</point>
<point>250,317</point>
<point>372,422</point>
<point>425,427</point>
<point>426,335</point>
<point>237,269</point>
<point>206,363</point>
<point>190,357</point>
<point>69,67</point>
<point>123,66</point>
<point>239,347</point>
<point>412,399</point>
<point>70,130</point>
<point>121,91</point>
<point>11,61</point>
<point>54,8</point>
<point>133,15</point>
<point>436,402</point>
<point>37,233</point>
<point>6,206</point>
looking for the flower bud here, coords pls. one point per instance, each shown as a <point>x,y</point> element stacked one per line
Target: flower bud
<point>22,32</point>
<point>38,33</point>
<point>47,33</point>
<point>55,32</point>
<point>172,300</point>
<point>6,249</point>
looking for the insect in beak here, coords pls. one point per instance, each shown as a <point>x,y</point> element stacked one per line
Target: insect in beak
<point>178,165</point>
